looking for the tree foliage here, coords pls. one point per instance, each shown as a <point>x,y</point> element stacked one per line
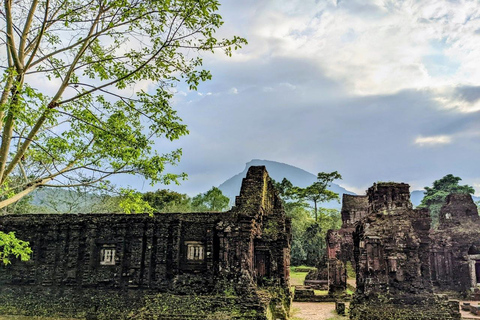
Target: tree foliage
<point>309,227</point>
<point>308,235</point>
<point>171,201</point>
<point>11,246</point>
<point>436,195</point>
<point>317,192</point>
<point>168,201</point>
<point>76,107</point>
<point>212,200</point>
<point>87,87</point>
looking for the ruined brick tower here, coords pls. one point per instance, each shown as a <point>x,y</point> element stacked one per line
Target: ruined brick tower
<point>392,249</point>
<point>455,249</point>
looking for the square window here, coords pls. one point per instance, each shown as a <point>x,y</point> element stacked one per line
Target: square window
<point>107,256</point>
<point>195,250</point>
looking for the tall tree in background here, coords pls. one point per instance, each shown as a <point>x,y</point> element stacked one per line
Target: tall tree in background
<point>212,200</point>
<point>318,192</point>
<point>308,235</point>
<point>435,196</point>
<point>168,201</point>
<point>73,108</point>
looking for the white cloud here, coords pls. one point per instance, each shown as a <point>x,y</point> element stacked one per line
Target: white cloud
<point>233,90</point>
<point>267,89</point>
<point>377,48</point>
<point>288,85</point>
<point>433,141</point>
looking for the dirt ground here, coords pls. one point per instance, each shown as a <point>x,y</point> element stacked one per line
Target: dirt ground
<point>466,314</point>
<point>314,311</point>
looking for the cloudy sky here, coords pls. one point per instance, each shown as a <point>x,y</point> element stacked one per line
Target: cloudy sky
<point>379,90</point>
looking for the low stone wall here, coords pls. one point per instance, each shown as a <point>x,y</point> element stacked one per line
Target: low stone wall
<point>141,304</point>
<point>416,307</point>
<point>87,303</point>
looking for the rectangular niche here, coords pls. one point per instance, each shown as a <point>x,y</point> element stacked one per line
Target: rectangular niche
<point>195,250</point>
<point>107,256</point>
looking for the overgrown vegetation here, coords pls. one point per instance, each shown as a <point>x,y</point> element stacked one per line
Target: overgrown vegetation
<point>436,195</point>
<point>309,224</point>
<point>80,200</point>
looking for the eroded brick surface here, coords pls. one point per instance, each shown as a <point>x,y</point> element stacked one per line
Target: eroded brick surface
<point>234,252</point>
<point>397,254</point>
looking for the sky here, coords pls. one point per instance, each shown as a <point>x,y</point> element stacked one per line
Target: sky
<point>377,90</point>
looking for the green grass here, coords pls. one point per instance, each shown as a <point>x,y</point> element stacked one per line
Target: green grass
<point>297,278</point>
<point>4,317</point>
<point>302,268</point>
<point>337,318</point>
<point>350,271</point>
<point>321,292</point>
<point>298,274</point>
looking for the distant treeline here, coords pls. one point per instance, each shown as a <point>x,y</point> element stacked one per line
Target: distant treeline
<point>76,200</point>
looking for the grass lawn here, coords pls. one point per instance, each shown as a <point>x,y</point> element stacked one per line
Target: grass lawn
<point>298,274</point>
<point>3,317</point>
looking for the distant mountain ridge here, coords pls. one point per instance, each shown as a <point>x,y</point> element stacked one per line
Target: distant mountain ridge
<point>278,171</point>
<point>300,178</point>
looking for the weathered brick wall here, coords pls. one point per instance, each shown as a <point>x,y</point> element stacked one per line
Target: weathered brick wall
<point>340,242</point>
<point>354,208</point>
<point>179,253</point>
<point>392,248</point>
<point>455,254</point>
<point>263,233</point>
<point>149,251</point>
<point>388,196</point>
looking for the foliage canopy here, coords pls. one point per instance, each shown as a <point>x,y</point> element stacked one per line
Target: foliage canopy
<point>212,200</point>
<point>309,227</point>
<point>317,192</point>
<point>78,103</point>
<point>436,195</point>
<point>87,85</point>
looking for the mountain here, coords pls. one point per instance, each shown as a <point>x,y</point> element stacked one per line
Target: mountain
<point>278,171</point>
<point>59,200</point>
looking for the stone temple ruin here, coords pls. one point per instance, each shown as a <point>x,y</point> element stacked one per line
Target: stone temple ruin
<point>235,264</point>
<point>90,264</point>
<point>400,261</point>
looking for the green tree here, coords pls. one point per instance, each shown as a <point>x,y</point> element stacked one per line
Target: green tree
<point>285,189</point>
<point>73,111</point>
<point>97,120</point>
<point>318,192</point>
<point>11,246</point>
<point>168,201</point>
<point>290,195</point>
<point>436,195</point>
<point>212,200</point>
<point>308,235</point>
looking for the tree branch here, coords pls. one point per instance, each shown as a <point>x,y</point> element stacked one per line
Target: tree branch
<point>128,75</point>
<point>26,29</point>
<point>10,38</point>
<point>39,37</point>
<point>36,128</point>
